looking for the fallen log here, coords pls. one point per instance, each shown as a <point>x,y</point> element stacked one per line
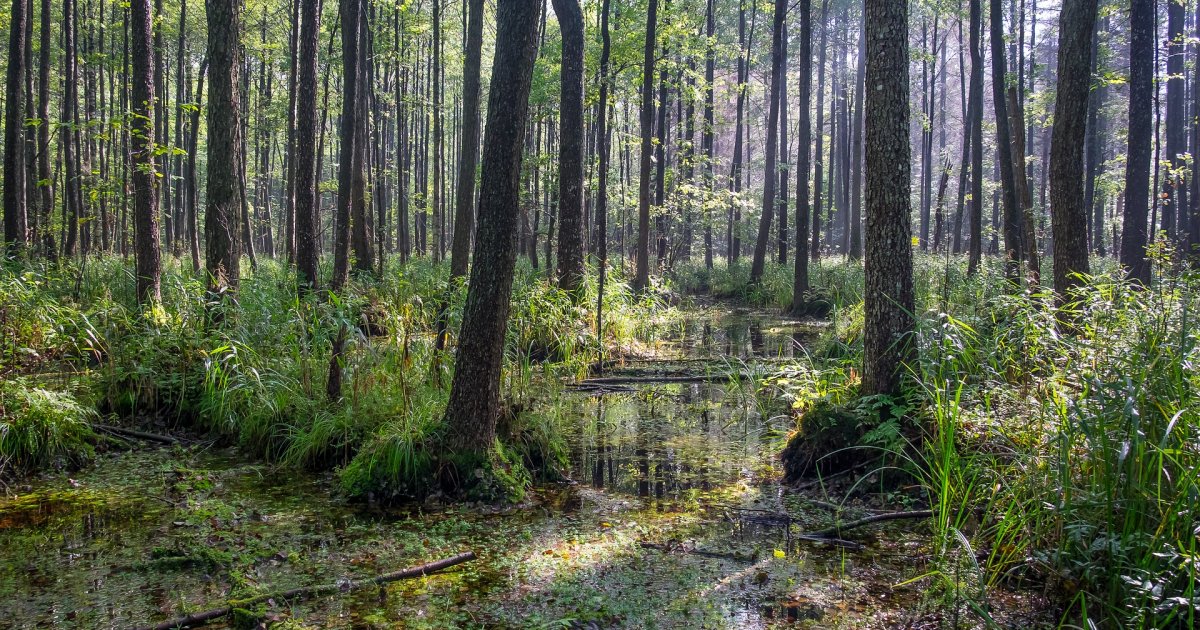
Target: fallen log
<point>131,433</point>
<point>307,592</point>
<point>651,378</point>
<point>837,530</point>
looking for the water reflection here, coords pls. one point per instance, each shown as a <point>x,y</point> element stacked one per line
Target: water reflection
<point>743,336</point>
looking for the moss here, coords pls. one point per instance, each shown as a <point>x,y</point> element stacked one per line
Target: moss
<point>824,443</point>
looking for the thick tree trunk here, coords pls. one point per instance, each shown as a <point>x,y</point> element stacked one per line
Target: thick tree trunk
<point>305,194</point>
<point>223,208</point>
<point>888,301</point>
<point>147,255</point>
<point>474,405</point>
<point>570,157</point>
<point>1068,216</point>
<point>1136,234</point>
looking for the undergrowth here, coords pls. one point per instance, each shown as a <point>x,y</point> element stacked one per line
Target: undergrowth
<point>1064,458</point>
<point>258,378</point>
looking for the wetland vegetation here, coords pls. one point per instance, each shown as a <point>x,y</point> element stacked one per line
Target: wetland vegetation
<point>359,314</point>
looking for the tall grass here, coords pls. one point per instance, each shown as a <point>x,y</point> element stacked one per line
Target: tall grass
<point>1064,460</point>
<point>258,378</point>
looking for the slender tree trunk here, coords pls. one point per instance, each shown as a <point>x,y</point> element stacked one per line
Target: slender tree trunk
<point>975,106</point>
<point>1012,215</point>
<point>193,189</point>
<point>351,23</point>
<point>474,405</point>
<point>468,158</point>
<point>642,278</point>
<point>770,176</point>
<point>855,248</point>
<point>819,150</point>
<point>602,148</point>
<point>800,283</point>
<point>15,205</point>
<point>45,178</point>
<point>707,134</point>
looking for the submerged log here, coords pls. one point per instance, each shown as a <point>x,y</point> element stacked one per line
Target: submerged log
<point>131,433</point>
<point>307,592</point>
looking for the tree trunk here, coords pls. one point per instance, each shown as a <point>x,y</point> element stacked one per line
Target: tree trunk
<point>1068,218</point>
<point>305,194</point>
<point>975,106</point>
<point>570,159</point>
<point>819,150</point>
<point>888,301</point>
<point>347,137</point>
<point>642,278</point>
<point>800,285</point>
<point>1135,235</point>
<point>473,408</point>
<point>1012,215</point>
<point>147,255</point>
<point>707,134</point>
<point>45,178</point>
<point>468,158</point>
<point>223,208</point>
<point>15,211</point>
<point>770,176</point>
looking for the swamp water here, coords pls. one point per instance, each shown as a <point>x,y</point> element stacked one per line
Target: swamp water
<point>144,536</point>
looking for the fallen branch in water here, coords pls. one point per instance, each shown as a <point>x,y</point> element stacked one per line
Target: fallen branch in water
<point>650,378</point>
<point>838,529</point>
<point>345,586</point>
<point>141,435</point>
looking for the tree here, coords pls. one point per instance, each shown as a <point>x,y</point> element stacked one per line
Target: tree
<point>804,139</point>
<point>975,109</point>
<point>641,279</point>
<point>307,221</point>
<point>602,148</point>
<point>348,137</point>
<point>468,158</point>
<point>474,405</point>
<point>1068,214</point>
<point>888,301</point>
<point>1008,191</point>
<point>570,157</point>
<point>770,176</point>
<point>15,212</point>
<point>707,134</point>
<point>147,254</point>
<point>1135,235</point>
<point>223,207</point>
<point>45,183</point>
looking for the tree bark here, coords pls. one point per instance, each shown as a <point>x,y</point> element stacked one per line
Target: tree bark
<point>570,158</point>
<point>641,278</point>
<point>1136,234</point>
<point>1008,192</point>
<point>223,208</point>
<point>975,106</point>
<point>473,409</point>
<point>800,283</point>
<point>1068,215</point>
<point>468,158</point>
<point>305,194</point>
<point>770,176</point>
<point>15,211</point>
<point>888,301</point>
<point>147,254</point>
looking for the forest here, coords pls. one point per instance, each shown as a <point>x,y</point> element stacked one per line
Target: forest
<point>600,314</point>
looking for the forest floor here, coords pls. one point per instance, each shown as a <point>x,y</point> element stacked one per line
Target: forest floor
<point>152,533</point>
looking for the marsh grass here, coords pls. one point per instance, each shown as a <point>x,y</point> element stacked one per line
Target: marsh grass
<point>257,378</point>
<point>1052,459</point>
